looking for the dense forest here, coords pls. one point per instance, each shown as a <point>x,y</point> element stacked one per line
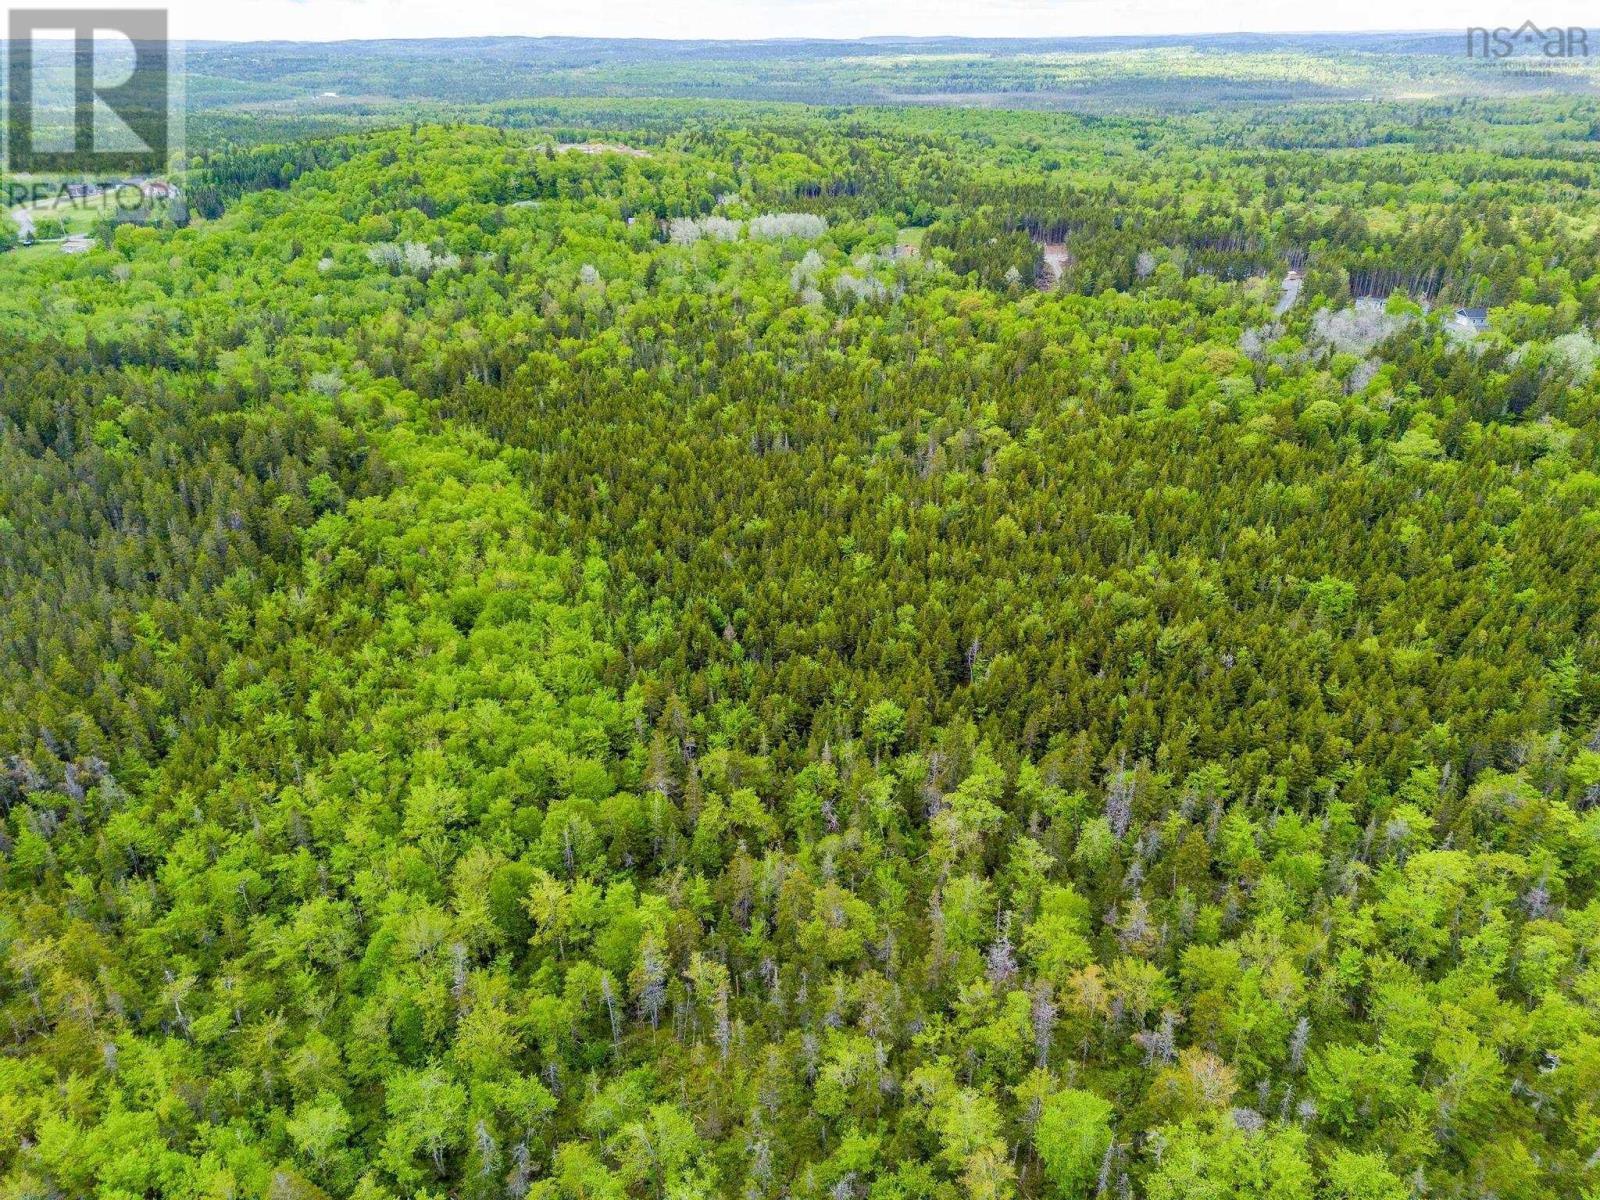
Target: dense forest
<point>644,652</point>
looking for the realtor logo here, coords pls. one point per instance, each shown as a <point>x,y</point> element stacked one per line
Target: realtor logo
<point>87,89</point>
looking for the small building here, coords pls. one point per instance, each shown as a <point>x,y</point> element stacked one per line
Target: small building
<point>1473,320</point>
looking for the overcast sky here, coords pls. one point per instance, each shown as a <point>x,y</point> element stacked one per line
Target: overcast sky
<point>320,20</point>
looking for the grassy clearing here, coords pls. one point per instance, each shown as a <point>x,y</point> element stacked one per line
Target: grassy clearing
<point>79,216</point>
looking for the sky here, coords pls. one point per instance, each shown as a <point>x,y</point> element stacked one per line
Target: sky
<point>327,20</point>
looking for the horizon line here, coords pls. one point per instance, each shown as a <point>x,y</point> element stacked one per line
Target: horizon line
<point>842,41</point>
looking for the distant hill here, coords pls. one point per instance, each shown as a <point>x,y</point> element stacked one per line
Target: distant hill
<point>1102,73</point>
